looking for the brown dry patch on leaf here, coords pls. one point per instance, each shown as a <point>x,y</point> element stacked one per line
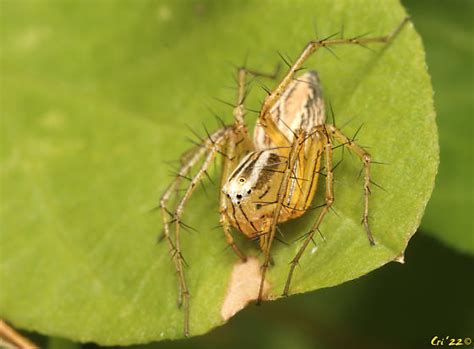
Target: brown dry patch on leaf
<point>243,287</point>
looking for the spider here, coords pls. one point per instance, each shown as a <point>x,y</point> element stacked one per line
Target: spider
<point>271,177</point>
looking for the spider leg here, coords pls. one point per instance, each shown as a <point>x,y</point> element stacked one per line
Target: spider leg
<point>208,149</point>
<point>266,240</point>
<point>239,111</point>
<point>228,166</point>
<point>311,166</point>
<point>242,74</point>
<point>189,159</point>
<point>329,200</point>
<point>309,49</point>
<point>238,144</point>
<point>364,156</point>
<point>236,139</point>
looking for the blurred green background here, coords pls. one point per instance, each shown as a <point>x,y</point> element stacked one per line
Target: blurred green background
<point>398,306</point>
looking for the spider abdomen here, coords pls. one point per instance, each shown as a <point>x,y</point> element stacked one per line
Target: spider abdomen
<point>301,106</point>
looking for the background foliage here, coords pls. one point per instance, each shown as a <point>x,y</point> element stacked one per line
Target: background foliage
<point>333,311</point>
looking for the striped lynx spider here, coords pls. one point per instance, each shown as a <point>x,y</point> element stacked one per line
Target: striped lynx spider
<point>272,177</point>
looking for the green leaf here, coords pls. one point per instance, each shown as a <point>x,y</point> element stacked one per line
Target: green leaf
<point>446,28</point>
<point>96,98</point>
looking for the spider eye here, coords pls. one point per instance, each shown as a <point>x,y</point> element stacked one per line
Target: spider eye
<point>241,180</point>
<point>249,191</point>
<point>239,196</point>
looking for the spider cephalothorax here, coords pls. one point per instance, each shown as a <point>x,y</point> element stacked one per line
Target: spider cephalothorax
<point>250,188</point>
<point>272,177</point>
